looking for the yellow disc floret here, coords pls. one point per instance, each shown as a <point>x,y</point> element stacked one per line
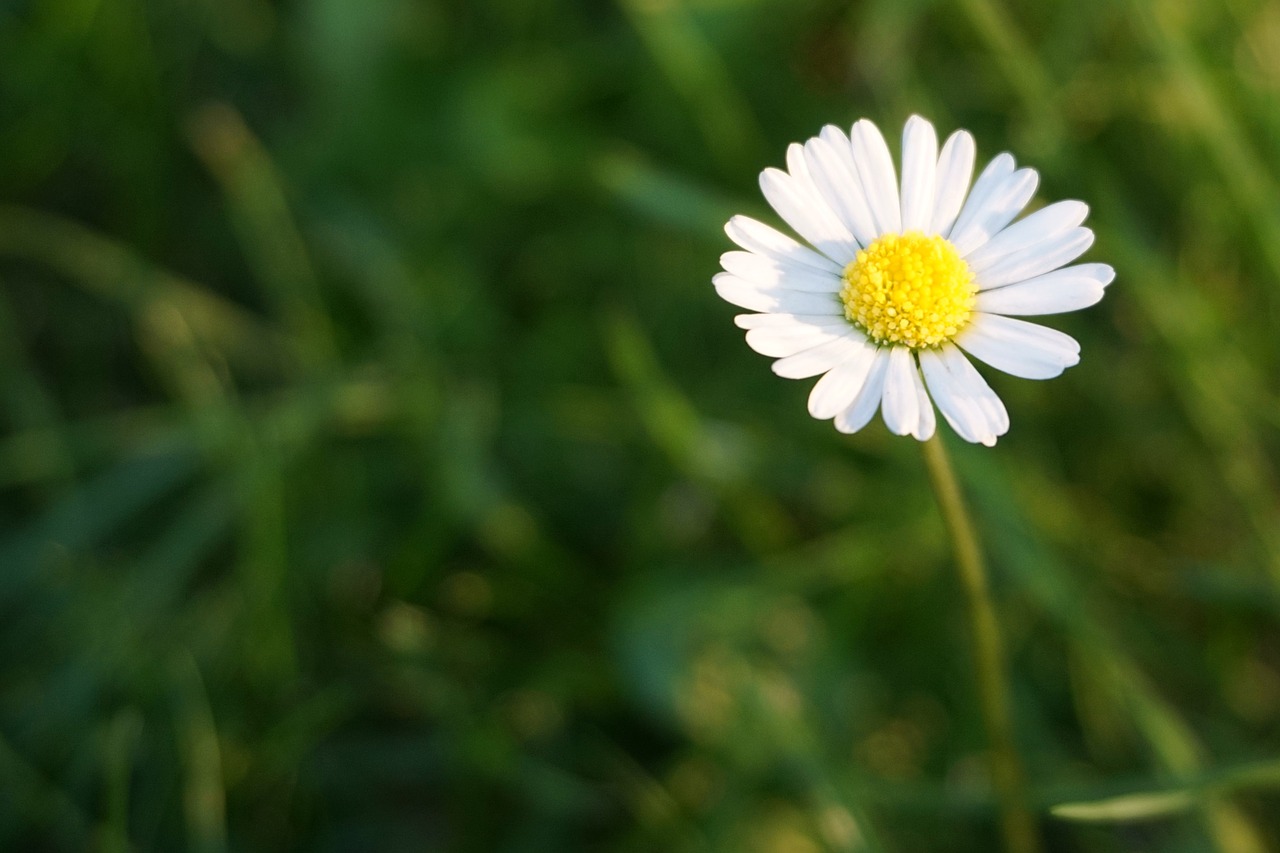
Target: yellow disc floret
<point>909,289</point>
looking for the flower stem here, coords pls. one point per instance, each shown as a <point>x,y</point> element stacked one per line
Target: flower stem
<point>1016,821</point>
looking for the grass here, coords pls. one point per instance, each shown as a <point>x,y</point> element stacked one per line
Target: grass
<point>379,471</point>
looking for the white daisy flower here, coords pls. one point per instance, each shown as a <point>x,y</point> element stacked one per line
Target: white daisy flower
<point>899,285</point>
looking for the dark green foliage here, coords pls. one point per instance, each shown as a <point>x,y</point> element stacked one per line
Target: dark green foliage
<point>379,471</point>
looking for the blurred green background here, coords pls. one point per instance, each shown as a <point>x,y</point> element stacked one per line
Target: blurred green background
<point>379,470</point>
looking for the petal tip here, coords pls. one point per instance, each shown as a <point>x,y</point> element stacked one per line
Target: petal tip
<point>864,125</point>
<point>771,176</point>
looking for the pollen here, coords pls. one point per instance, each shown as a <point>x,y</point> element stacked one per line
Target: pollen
<point>909,289</point>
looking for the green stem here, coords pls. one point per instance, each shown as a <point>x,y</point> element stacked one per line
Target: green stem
<point>1016,821</point>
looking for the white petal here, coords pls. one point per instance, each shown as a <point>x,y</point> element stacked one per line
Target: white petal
<point>1048,254</point>
<point>775,300</point>
<point>842,147</point>
<point>1066,289</point>
<point>764,273</point>
<point>837,389</point>
<point>919,171</point>
<point>900,405</point>
<point>966,401</point>
<point>808,215</point>
<point>877,175</point>
<point>821,358</point>
<point>1017,347</point>
<point>986,212</point>
<point>990,403</point>
<point>1000,168</point>
<point>962,414</point>
<point>955,170</point>
<point>977,389</point>
<point>777,321</point>
<point>1041,225</point>
<point>755,236</point>
<point>783,341</point>
<point>798,167</point>
<point>833,173</point>
<point>927,423</point>
<point>864,406</point>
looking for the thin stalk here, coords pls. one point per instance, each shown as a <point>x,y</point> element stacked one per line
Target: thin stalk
<point>1016,821</point>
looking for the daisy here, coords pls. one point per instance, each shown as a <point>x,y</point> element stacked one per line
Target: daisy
<point>903,280</point>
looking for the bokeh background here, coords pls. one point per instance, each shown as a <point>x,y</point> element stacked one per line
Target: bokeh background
<point>379,471</point>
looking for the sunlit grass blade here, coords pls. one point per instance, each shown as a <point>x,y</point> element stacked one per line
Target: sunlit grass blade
<point>690,62</point>
<point>667,198</point>
<point>118,273</point>
<point>259,208</point>
<point>1129,807</point>
<point>710,457</point>
<point>203,795</point>
<point>1149,805</point>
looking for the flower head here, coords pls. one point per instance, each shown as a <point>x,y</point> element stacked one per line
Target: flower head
<point>899,282</point>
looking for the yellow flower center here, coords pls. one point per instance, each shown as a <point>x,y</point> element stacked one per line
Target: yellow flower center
<point>909,289</point>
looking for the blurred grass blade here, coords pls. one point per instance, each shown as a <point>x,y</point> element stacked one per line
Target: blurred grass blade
<point>1208,112</point>
<point>673,200</point>
<point>712,459</point>
<point>1147,805</point>
<point>31,405</point>
<point>116,272</point>
<point>1017,60</point>
<point>256,197</point>
<point>122,737</point>
<point>95,510</point>
<point>1129,807</point>
<point>46,806</point>
<point>203,797</point>
<point>1100,649</point>
<point>1220,386</point>
<point>165,569</point>
<point>698,73</point>
<point>263,568</point>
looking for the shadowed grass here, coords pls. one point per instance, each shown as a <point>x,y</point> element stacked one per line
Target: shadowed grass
<point>380,471</point>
